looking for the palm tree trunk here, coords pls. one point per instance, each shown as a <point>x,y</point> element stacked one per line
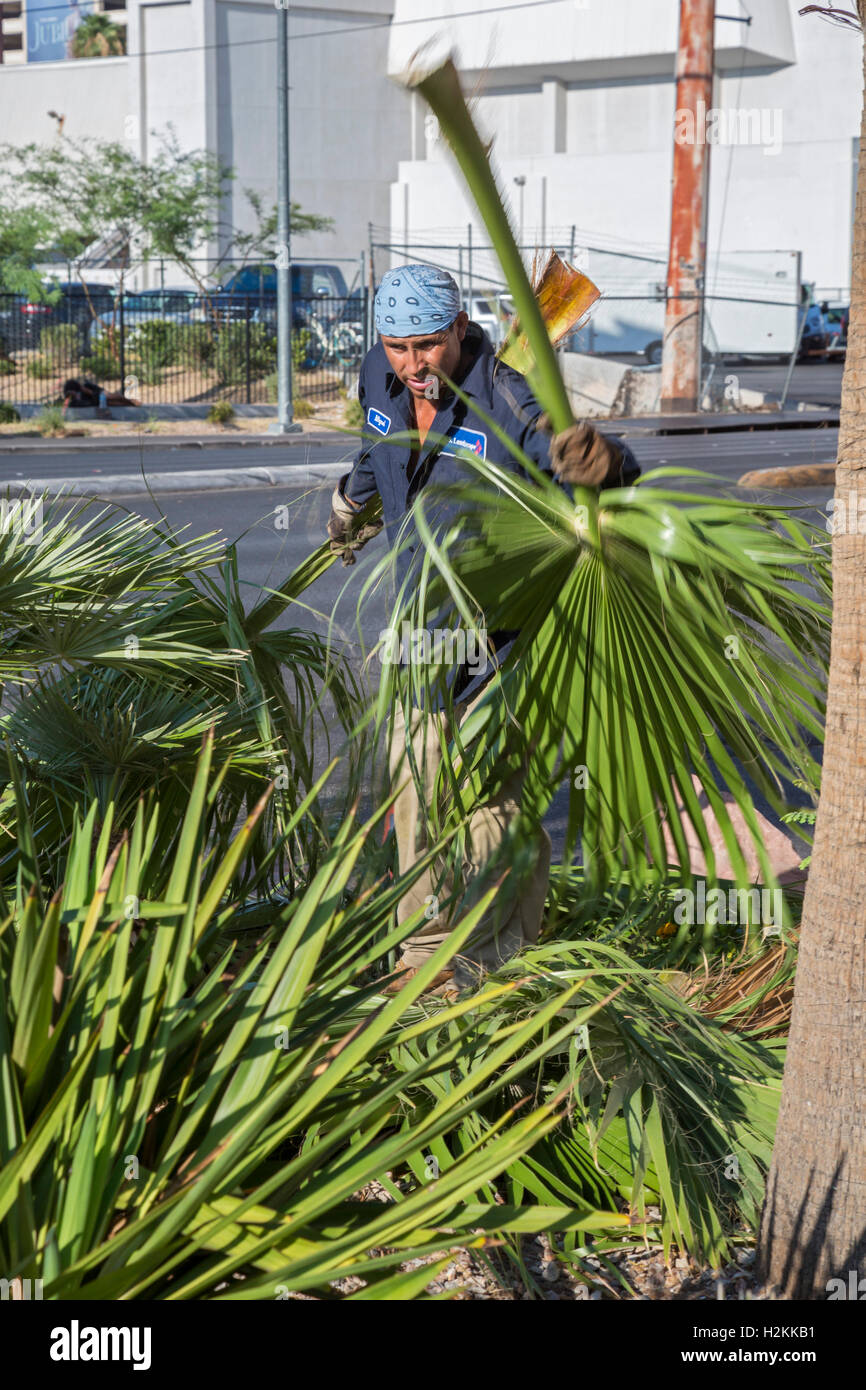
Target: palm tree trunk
<point>814,1222</point>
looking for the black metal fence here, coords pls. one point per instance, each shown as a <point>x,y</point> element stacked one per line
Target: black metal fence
<point>171,347</point>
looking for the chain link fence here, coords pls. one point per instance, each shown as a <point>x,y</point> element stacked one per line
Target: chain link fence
<point>174,346</point>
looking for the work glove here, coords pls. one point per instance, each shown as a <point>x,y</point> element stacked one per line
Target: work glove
<point>583,457</point>
<point>345,533</point>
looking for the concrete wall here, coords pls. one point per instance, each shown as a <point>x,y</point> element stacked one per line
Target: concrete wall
<point>349,125</point>
<point>89,92</point>
<point>571,38</point>
<point>167,74</point>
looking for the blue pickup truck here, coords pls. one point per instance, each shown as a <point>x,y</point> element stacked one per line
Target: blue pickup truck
<point>327,320</point>
<point>253,290</point>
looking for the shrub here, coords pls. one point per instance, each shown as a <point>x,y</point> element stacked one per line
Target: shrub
<point>353,415</point>
<point>40,367</point>
<point>8,366</point>
<point>146,373</point>
<point>231,352</point>
<point>102,366</point>
<point>304,356</point>
<point>61,344</point>
<point>302,409</point>
<point>8,414</point>
<point>51,420</point>
<point>221,413</point>
<point>157,343</point>
<point>195,344</point>
<point>303,349</point>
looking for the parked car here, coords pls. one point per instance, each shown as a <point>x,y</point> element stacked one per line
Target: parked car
<point>493,312</point>
<point>835,317</point>
<point>814,337</point>
<point>253,290</point>
<point>144,306</point>
<point>77,303</point>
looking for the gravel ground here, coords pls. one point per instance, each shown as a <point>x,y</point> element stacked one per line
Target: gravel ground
<point>468,1277</point>
<point>548,1277</point>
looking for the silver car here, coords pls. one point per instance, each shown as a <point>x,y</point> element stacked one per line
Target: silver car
<point>144,306</point>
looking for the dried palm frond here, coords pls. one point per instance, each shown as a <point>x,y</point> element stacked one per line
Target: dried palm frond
<point>753,998</point>
<point>565,295</point>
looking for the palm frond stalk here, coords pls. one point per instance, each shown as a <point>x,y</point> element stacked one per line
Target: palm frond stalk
<point>442,90</point>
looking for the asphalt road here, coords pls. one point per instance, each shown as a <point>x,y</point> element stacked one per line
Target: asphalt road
<point>728,454</point>
<point>819,383</point>
<point>82,463</point>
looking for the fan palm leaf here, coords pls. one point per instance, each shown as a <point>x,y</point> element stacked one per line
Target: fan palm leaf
<point>671,647</point>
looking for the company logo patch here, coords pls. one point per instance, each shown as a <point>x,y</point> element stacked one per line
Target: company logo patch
<point>379,422</point>
<point>466,442</point>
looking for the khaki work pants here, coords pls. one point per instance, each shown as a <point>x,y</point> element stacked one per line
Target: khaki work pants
<point>514,918</point>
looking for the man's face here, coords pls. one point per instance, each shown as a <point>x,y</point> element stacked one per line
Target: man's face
<point>416,360</point>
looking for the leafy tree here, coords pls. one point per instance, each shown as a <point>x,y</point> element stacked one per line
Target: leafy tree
<point>23,230</point>
<point>74,195</point>
<point>262,241</point>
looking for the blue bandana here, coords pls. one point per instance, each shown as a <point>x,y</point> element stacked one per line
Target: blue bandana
<point>414,300</point>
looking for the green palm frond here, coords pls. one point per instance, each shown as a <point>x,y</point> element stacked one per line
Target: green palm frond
<point>122,643</point>
<point>668,1108</point>
<point>168,1126</point>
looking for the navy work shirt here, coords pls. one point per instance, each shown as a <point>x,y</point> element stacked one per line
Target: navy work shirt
<point>382,465</point>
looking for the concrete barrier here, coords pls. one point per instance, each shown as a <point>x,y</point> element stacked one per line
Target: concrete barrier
<point>594,384</point>
<point>600,386</point>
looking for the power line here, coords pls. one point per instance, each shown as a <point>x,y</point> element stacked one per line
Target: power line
<point>327,33</point>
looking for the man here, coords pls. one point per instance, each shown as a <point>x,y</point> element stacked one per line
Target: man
<point>78,395</point>
<point>425,336</point>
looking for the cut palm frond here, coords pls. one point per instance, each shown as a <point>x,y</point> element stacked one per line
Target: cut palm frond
<point>669,1109</point>
<point>170,1125</point>
<point>675,639</point>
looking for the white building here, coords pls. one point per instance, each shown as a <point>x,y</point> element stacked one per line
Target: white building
<point>208,69</point>
<point>580,100</point>
<point>578,94</point>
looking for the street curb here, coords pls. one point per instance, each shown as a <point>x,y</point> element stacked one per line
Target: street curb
<point>695,425</point>
<point>221,480</point>
<point>800,475</point>
<point>163,443</point>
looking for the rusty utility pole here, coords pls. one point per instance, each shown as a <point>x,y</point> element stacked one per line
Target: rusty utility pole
<point>681,358</point>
